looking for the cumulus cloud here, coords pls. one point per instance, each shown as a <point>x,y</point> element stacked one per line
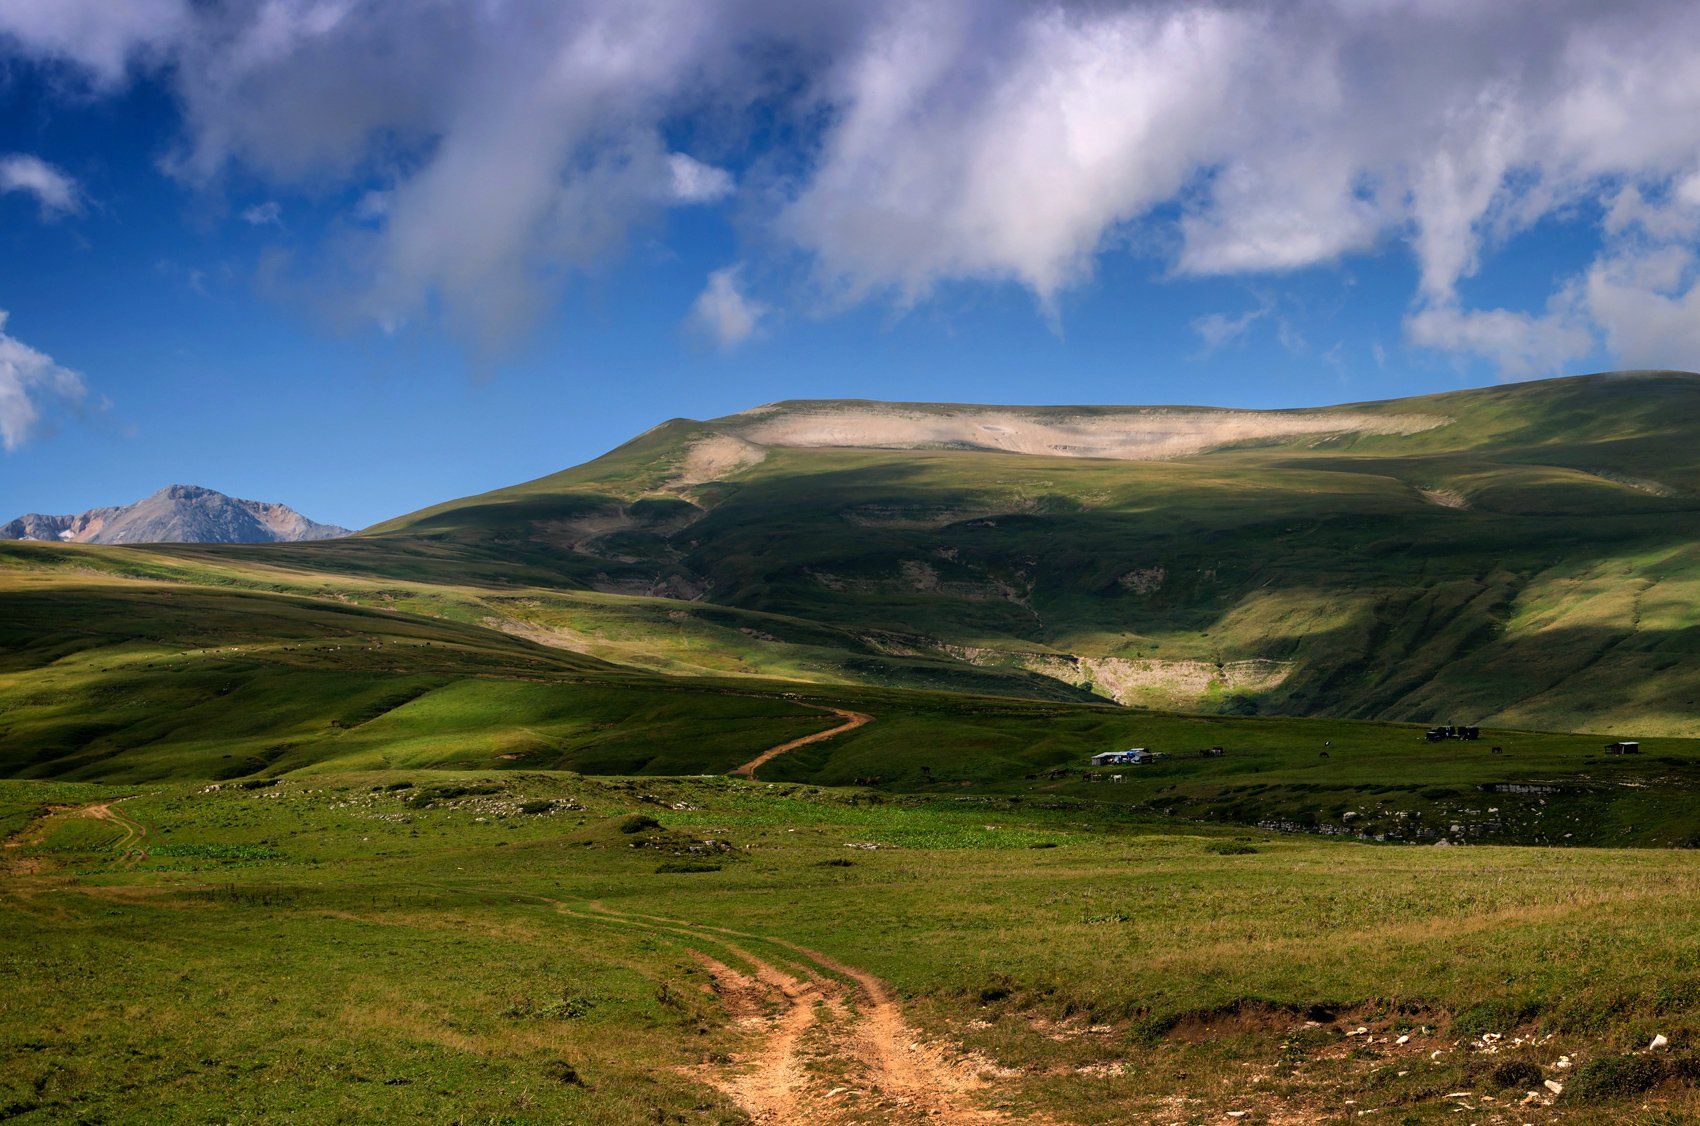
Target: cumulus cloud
<point>723,313</point>
<point>31,386</point>
<point>696,182</point>
<point>53,190</point>
<point>906,144</point>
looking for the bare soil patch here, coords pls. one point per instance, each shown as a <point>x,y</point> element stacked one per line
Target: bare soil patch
<point>1135,434</point>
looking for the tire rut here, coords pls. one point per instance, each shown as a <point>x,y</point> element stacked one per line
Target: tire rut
<point>832,1045</point>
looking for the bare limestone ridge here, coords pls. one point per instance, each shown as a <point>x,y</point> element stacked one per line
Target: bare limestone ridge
<point>1123,433</point>
<point>176,514</point>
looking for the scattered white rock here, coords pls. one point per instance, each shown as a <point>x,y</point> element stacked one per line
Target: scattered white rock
<point>1659,1041</point>
<point>1555,1086</point>
<point>1403,1040</point>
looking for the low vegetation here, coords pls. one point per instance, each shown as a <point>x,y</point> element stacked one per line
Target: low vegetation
<point>282,951</point>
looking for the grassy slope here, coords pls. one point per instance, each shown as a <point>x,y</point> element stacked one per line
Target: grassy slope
<point>657,634</point>
<point>1560,597</point>
<point>123,679</point>
<point>109,677</point>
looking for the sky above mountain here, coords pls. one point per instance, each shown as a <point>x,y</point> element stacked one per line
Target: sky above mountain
<point>363,255</point>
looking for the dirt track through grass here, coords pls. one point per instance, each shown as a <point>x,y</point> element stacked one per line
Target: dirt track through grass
<point>129,846</point>
<point>852,720</point>
<point>829,1042</point>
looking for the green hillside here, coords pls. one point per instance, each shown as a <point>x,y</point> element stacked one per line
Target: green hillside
<point>1521,557</point>
<point>126,680</point>
<point>1517,555</point>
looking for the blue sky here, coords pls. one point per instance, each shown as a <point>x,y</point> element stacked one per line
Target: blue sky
<point>268,268</point>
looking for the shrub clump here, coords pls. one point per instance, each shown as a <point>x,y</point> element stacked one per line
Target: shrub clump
<point>685,866</point>
<point>1496,1015</point>
<point>1620,1076</point>
<point>1229,848</point>
<point>536,806</point>
<point>638,823</point>
<point>429,796</point>
<point>568,1006</point>
<point>564,1073</point>
<point>1519,1074</point>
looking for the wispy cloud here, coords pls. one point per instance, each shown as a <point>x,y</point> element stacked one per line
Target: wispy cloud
<point>32,386</point>
<point>1519,344</point>
<point>55,191</point>
<point>1217,330</point>
<point>267,214</point>
<point>99,38</point>
<point>907,144</point>
<point>723,312</point>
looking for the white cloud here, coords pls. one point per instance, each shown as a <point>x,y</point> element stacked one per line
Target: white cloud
<point>986,141</point>
<point>1218,330</point>
<point>100,37</point>
<point>1520,345</point>
<point>31,385</point>
<point>267,214</point>
<point>723,313</point>
<point>1647,302</point>
<point>926,142</point>
<point>696,182</point>
<point>55,191</point>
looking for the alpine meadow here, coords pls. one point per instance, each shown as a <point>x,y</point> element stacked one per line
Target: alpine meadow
<point>917,733</point>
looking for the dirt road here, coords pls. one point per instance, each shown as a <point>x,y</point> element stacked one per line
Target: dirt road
<point>852,720</point>
<point>826,1042</point>
<point>129,846</point>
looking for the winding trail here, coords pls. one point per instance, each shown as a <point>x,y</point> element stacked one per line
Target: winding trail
<point>131,852</point>
<point>852,720</point>
<point>129,846</point>
<point>827,1043</point>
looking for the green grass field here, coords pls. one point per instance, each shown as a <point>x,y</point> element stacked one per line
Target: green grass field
<point>461,946</point>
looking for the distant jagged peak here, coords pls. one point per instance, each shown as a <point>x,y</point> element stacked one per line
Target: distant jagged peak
<point>176,514</point>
